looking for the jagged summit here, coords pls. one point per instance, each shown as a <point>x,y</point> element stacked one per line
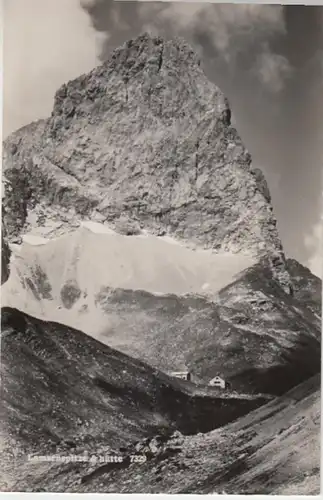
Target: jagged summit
<point>163,76</point>
<point>177,49</point>
<point>151,55</point>
<point>145,141</point>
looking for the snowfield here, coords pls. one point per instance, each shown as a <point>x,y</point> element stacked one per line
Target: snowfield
<point>95,257</point>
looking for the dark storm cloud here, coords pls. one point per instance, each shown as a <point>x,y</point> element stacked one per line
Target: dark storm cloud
<point>267,59</point>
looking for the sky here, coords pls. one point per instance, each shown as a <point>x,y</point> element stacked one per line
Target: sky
<point>267,59</point>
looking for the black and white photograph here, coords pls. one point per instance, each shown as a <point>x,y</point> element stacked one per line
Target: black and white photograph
<point>161,256</point>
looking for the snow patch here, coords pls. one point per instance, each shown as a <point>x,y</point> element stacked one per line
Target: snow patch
<point>68,273</point>
<point>34,240</point>
<point>97,228</point>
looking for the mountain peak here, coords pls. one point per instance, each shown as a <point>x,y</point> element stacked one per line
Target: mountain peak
<point>148,71</point>
<point>156,51</point>
<point>146,138</point>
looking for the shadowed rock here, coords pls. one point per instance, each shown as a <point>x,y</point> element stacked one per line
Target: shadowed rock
<point>5,256</point>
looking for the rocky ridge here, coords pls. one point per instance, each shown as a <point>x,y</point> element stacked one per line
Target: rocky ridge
<point>144,141</point>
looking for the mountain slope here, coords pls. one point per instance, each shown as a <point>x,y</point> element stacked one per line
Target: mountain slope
<point>63,390</point>
<point>142,142</point>
<point>58,370</point>
<point>274,449</point>
<point>159,310</point>
<point>306,286</point>
<point>252,333</point>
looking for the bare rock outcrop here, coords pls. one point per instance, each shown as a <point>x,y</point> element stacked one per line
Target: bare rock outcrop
<point>5,257</point>
<point>143,141</point>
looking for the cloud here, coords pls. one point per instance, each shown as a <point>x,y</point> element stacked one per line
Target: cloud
<point>272,69</point>
<point>221,29</point>
<point>45,44</point>
<point>224,23</point>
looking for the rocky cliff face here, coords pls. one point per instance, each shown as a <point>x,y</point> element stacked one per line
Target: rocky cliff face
<point>143,142</point>
<point>5,260</point>
<point>5,255</point>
